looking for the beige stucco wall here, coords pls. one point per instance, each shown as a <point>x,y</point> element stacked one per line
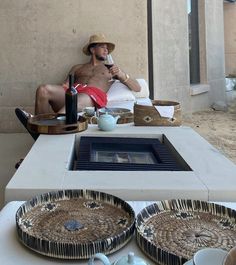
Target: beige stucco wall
<point>215,57</point>
<point>41,40</point>
<point>230,37</point>
<point>170,51</point>
<point>171,61</point>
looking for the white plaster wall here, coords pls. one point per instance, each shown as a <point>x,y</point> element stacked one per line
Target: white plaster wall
<point>215,50</point>
<point>170,49</point>
<point>41,39</point>
<point>230,37</point>
<point>171,55</point>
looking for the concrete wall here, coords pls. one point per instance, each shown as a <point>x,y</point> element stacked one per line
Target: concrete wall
<point>230,38</point>
<point>171,58</point>
<point>215,58</point>
<point>170,51</point>
<point>42,39</point>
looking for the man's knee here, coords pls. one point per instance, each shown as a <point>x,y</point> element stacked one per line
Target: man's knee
<point>42,91</point>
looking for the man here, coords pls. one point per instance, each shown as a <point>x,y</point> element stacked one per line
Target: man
<point>92,81</point>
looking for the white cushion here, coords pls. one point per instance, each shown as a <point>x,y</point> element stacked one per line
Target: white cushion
<point>120,92</point>
<point>144,93</point>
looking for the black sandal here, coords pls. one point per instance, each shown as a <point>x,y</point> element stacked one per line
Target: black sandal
<point>19,163</point>
<point>23,116</point>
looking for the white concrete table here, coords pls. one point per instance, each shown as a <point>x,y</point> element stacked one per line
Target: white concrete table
<point>45,168</point>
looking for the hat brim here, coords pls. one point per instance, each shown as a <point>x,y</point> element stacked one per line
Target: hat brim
<point>110,47</point>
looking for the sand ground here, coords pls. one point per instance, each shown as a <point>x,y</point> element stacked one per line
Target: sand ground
<point>217,127</point>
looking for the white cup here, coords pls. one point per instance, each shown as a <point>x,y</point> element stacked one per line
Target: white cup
<point>90,111</point>
<point>209,256</point>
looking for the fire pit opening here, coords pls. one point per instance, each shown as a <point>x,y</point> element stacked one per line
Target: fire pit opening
<point>126,154</point>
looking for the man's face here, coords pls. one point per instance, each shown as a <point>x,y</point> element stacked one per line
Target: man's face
<point>100,51</point>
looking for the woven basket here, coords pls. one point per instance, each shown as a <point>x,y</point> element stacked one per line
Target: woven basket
<point>171,231</point>
<point>149,116</point>
<point>75,224</point>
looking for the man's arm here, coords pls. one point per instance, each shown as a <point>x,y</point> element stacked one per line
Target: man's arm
<point>72,71</point>
<point>124,78</point>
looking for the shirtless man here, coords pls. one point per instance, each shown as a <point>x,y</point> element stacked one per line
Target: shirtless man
<point>93,74</point>
<point>94,79</point>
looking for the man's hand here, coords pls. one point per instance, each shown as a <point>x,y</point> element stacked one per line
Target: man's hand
<point>132,84</point>
<point>117,73</point>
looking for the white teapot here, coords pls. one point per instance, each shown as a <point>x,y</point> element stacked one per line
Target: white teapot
<point>130,259</point>
<point>106,122</point>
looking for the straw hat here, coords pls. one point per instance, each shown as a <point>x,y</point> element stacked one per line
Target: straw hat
<point>98,38</point>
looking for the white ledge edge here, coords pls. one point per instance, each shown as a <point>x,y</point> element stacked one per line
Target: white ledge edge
<point>199,89</point>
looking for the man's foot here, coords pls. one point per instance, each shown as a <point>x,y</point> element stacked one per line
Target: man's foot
<point>23,116</point>
<point>19,163</point>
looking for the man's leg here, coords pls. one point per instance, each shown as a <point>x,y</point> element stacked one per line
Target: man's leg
<point>48,98</point>
<point>83,101</point>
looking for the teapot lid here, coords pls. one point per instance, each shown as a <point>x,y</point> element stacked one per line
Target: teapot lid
<point>131,259</point>
<point>106,114</point>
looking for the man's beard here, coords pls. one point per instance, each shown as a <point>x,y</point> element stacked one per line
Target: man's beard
<point>100,58</point>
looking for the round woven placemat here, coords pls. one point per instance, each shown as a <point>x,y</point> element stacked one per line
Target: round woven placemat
<point>170,232</point>
<point>75,224</point>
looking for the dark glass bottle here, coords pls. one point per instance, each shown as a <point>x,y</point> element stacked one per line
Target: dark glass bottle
<point>71,102</point>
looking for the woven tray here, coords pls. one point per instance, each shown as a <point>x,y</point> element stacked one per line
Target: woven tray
<point>170,232</point>
<point>75,224</point>
<point>55,124</point>
<point>125,118</point>
<point>114,111</point>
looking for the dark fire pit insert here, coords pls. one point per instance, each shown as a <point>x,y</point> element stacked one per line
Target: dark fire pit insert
<point>126,154</point>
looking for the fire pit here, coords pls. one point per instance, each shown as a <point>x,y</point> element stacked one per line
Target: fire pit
<point>128,154</point>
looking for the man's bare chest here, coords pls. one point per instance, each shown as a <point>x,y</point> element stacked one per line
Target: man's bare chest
<point>91,71</point>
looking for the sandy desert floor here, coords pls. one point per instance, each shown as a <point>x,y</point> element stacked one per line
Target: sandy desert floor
<point>217,127</point>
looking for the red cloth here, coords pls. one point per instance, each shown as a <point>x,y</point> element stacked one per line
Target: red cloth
<point>98,96</point>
